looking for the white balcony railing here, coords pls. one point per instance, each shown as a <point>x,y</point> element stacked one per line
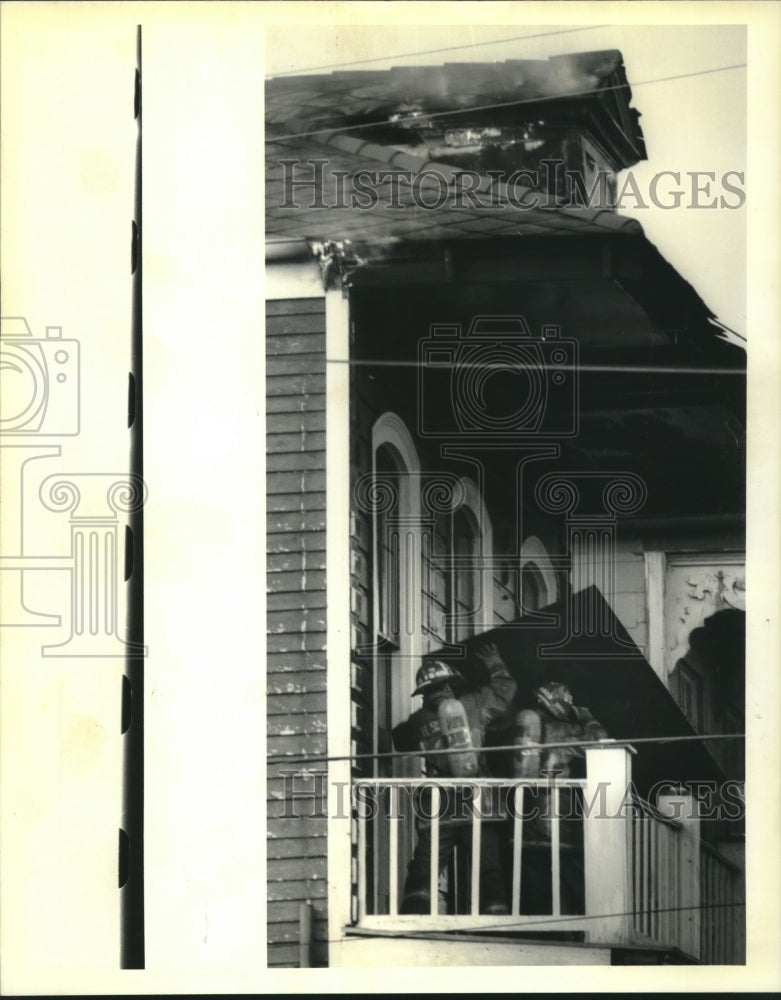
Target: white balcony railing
<point>386,838</point>
<point>557,840</point>
<point>666,877</point>
<point>722,932</point>
<point>576,855</point>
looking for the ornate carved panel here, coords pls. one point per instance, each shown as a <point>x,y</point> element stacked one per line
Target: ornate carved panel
<point>694,592</point>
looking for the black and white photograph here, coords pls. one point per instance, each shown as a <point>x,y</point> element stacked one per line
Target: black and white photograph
<point>390,498</point>
<point>506,501</point>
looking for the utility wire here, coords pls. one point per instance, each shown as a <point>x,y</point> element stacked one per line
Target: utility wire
<point>539,366</point>
<point>398,754</point>
<point>430,52</point>
<point>362,933</point>
<point>508,104</point>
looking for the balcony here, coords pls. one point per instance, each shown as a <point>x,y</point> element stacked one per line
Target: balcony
<point>583,861</point>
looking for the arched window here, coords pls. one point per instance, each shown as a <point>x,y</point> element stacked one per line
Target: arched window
<point>532,587</point>
<point>464,577</point>
<point>538,580</point>
<point>396,577</point>
<point>386,530</point>
<point>457,586</point>
<point>395,490</point>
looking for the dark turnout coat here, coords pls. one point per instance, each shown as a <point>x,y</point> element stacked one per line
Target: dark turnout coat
<point>422,730</point>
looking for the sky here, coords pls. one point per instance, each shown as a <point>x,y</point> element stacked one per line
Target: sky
<point>691,123</point>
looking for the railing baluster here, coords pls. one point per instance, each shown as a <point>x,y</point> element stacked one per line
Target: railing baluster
<point>434,873</point>
<point>640,874</point>
<point>665,883</point>
<point>674,903</point>
<point>653,899</point>
<point>393,851</point>
<point>476,832</point>
<point>670,885</point>
<point>361,865</point>
<point>727,915</point>
<point>636,860</point>
<point>714,913</point>
<point>670,901</point>
<point>707,950</point>
<point>667,886</point>
<point>678,916</point>
<point>716,916</point>
<point>646,875</point>
<point>705,944</point>
<point>517,846</point>
<point>555,858</point>
<point>735,919</point>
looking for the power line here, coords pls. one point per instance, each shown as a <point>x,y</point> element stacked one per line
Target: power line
<point>429,52</point>
<point>398,754</point>
<point>508,104</point>
<point>545,921</point>
<point>504,366</point>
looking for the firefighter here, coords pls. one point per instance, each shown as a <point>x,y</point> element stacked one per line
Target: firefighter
<point>445,721</point>
<point>554,719</point>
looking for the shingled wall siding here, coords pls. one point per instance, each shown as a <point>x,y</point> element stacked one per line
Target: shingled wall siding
<point>296,619</point>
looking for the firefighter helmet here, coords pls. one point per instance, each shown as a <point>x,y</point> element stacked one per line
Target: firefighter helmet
<point>433,673</point>
<point>557,698</point>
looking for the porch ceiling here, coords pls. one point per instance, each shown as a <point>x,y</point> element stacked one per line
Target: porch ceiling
<point>665,402</point>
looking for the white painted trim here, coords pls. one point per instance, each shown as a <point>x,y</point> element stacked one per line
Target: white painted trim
<point>474,502</point>
<point>337,436</point>
<point>389,430</point>
<point>533,551</point>
<point>294,280</point>
<point>655,570</point>
<point>386,953</point>
<point>713,556</point>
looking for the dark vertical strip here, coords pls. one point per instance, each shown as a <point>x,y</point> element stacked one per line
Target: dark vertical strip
<point>131,855</point>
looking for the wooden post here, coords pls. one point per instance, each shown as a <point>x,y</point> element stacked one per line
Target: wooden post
<point>393,851</point>
<point>476,851</point>
<point>434,872</point>
<point>683,808</point>
<point>607,832</point>
<point>304,936</point>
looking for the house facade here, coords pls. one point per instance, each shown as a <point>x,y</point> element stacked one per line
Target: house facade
<point>494,411</point>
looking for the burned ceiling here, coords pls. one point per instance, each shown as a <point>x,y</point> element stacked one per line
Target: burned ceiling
<point>482,116</point>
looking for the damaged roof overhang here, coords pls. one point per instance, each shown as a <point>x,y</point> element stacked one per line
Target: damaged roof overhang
<point>470,131</point>
<point>460,105</point>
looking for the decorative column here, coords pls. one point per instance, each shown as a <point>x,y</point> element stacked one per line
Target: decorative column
<point>95,501</point>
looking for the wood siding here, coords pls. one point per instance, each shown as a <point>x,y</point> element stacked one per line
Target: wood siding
<point>296,625</point>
